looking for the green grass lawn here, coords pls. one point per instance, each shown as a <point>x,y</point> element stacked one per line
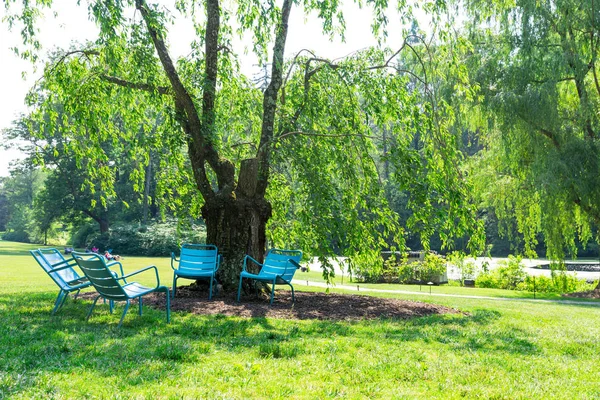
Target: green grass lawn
<point>496,350</point>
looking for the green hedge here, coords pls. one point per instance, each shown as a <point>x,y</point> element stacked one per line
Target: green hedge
<point>511,275</point>
<point>16,236</point>
<point>152,240</point>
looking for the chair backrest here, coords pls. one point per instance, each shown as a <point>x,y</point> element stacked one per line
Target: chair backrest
<point>50,259</point>
<point>94,267</point>
<point>196,258</point>
<point>277,261</point>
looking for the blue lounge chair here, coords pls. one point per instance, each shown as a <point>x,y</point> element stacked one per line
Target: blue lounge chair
<point>62,273</point>
<point>113,288</point>
<point>278,269</point>
<point>196,261</point>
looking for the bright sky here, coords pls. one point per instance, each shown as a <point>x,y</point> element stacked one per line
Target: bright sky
<point>72,25</point>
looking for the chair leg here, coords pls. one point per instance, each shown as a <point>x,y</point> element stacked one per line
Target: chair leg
<point>76,294</point>
<point>272,293</point>
<point>92,308</point>
<point>239,290</point>
<point>62,303</point>
<point>58,302</point>
<point>140,305</point>
<point>168,306</point>
<point>174,284</point>
<point>293,298</point>
<point>111,306</point>
<point>124,312</point>
<point>216,283</point>
<point>210,289</point>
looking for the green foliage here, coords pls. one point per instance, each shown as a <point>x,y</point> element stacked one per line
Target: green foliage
<point>559,282</point>
<point>433,265</point>
<point>510,275</point>
<point>488,280</point>
<point>397,269</point>
<point>81,236</point>
<point>535,63</point>
<point>507,275</point>
<point>465,268</point>
<point>16,236</point>
<point>157,239</point>
<point>319,139</point>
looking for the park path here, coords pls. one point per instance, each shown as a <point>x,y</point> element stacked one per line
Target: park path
<point>357,288</point>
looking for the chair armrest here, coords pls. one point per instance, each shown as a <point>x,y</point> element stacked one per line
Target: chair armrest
<point>294,264</point>
<point>59,266</point>
<point>173,258</point>
<point>116,263</point>
<point>246,258</point>
<point>83,283</point>
<point>139,271</point>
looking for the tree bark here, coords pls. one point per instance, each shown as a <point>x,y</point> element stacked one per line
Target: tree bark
<point>148,181</point>
<point>237,227</point>
<point>103,225</point>
<point>236,224</point>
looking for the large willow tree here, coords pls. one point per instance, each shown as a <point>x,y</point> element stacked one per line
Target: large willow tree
<point>536,63</point>
<point>305,144</point>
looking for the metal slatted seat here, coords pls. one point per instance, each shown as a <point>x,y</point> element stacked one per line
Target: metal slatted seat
<point>196,261</point>
<point>113,288</point>
<point>278,269</point>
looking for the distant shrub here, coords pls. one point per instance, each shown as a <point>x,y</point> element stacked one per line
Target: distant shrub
<point>81,237</point>
<point>16,236</point>
<point>510,272</point>
<point>511,275</point>
<point>465,268</point>
<point>159,239</point>
<point>559,282</point>
<point>487,280</point>
<point>433,265</point>
<point>398,268</point>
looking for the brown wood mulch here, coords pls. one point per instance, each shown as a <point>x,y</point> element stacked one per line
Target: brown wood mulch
<point>308,306</point>
<point>590,294</point>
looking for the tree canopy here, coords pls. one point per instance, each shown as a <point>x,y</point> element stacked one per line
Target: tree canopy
<point>535,63</point>
<point>298,163</point>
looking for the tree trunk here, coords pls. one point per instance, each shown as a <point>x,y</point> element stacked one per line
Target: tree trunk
<point>237,226</point>
<point>147,190</point>
<point>103,225</point>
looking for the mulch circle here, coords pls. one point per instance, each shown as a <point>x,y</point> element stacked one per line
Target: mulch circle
<point>590,294</point>
<point>308,306</point>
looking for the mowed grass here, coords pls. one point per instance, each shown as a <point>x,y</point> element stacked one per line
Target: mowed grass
<point>495,349</point>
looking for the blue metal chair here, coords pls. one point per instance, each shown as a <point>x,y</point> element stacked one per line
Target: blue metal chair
<point>113,288</point>
<point>62,273</point>
<point>196,261</point>
<point>278,269</point>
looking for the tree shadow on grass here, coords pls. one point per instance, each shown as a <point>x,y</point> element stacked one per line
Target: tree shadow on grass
<point>146,349</point>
